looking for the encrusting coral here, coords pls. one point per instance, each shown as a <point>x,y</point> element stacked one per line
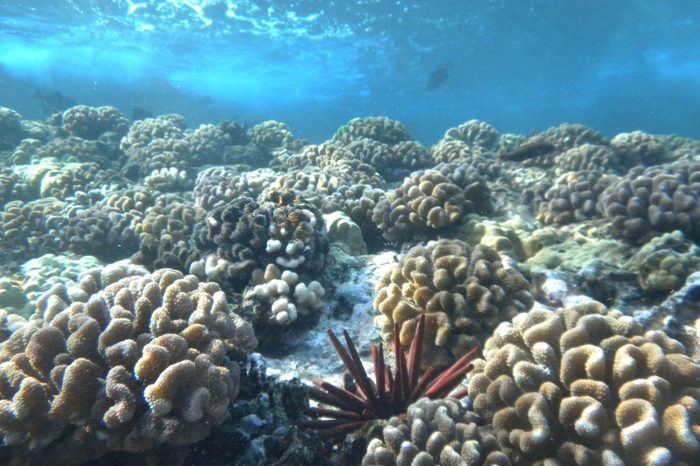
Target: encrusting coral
<point>125,365</point>
<point>464,292</point>
<point>585,385</point>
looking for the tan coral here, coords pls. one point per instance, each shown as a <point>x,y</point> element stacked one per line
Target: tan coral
<point>128,366</point>
<point>435,432</point>
<point>463,292</point>
<point>584,385</point>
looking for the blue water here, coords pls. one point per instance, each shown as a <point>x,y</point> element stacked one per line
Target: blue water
<point>520,65</point>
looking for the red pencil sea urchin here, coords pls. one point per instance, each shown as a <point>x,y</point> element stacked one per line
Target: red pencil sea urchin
<point>388,394</point>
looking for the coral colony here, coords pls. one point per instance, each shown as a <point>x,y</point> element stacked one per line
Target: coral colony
<point>151,272</point>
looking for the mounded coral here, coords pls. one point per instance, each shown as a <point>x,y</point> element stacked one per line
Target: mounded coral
<point>392,162</point>
<point>11,131</point>
<point>502,236</point>
<point>153,144</point>
<point>128,366</point>
<point>639,147</point>
<point>380,129</point>
<point>663,264</point>
<point>216,186</point>
<point>72,149</point>
<point>464,292</point>
<point>454,151</point>
<point>270,134</point>
<point>41,273</point>
<point>169,180</point>
<point>279,297</point>
<point>345,233</point>
<point>101,231</point>
<point>92,122</point>
<point>568,135</point>
<point>429,202</point>
<point>650,201</point>
<point>435,432</point>
<point>208,144</point>
<point>474,133</point>
<point>164,234</point>
<point>244,235</point>
<point>573,198</point>
<point>593,157</point>
<point>586,386</point>
<point>30,227</point>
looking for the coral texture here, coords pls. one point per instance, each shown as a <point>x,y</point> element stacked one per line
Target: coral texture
<point>428,202</point>
<point>435,432</point>
<point>380,129</point>
<point>586,386</point>
<point>465,294</point>
<point>130,365</point>
<point>649,201</point>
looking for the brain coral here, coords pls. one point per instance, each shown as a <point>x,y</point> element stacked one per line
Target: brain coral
<point>465,293</point>
<point>128,366</point>
<point>586,386</point>
<point>435,432</point>
<point>427,202</point>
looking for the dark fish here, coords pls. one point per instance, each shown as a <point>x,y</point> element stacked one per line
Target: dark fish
<point>438,76</point>
<point>53,101</point>
<point>528,150</point>
<point>140,113</point>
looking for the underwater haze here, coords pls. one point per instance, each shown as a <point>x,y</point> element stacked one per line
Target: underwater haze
<point>525,65</point>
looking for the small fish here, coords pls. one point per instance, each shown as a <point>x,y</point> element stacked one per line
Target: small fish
<point>53,101</point>
<point>528,150</point>
<point>438,76</point>
<point>139,113</point>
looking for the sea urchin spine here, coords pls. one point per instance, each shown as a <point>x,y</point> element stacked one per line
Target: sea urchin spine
<point>388,394</point>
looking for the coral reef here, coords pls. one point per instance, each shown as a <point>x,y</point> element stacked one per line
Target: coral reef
<point>380,129</point>
<point>573,198</point>
<point>649,201</point>
<point>428,202</point>
<point>474,133</point>
<point>244,235</point>
<point>464,292</point>
<point>216,186</point>
<point>663,264</point>
<point>92,122</point>
<point>435,432</point>
<point>11,131</point>
<point>130,365</point>
<point>586,386</point>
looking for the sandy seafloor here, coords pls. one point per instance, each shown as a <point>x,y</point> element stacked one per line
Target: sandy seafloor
<point>303,237</point>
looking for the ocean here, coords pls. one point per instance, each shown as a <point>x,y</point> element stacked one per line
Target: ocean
<point>460,232</point>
